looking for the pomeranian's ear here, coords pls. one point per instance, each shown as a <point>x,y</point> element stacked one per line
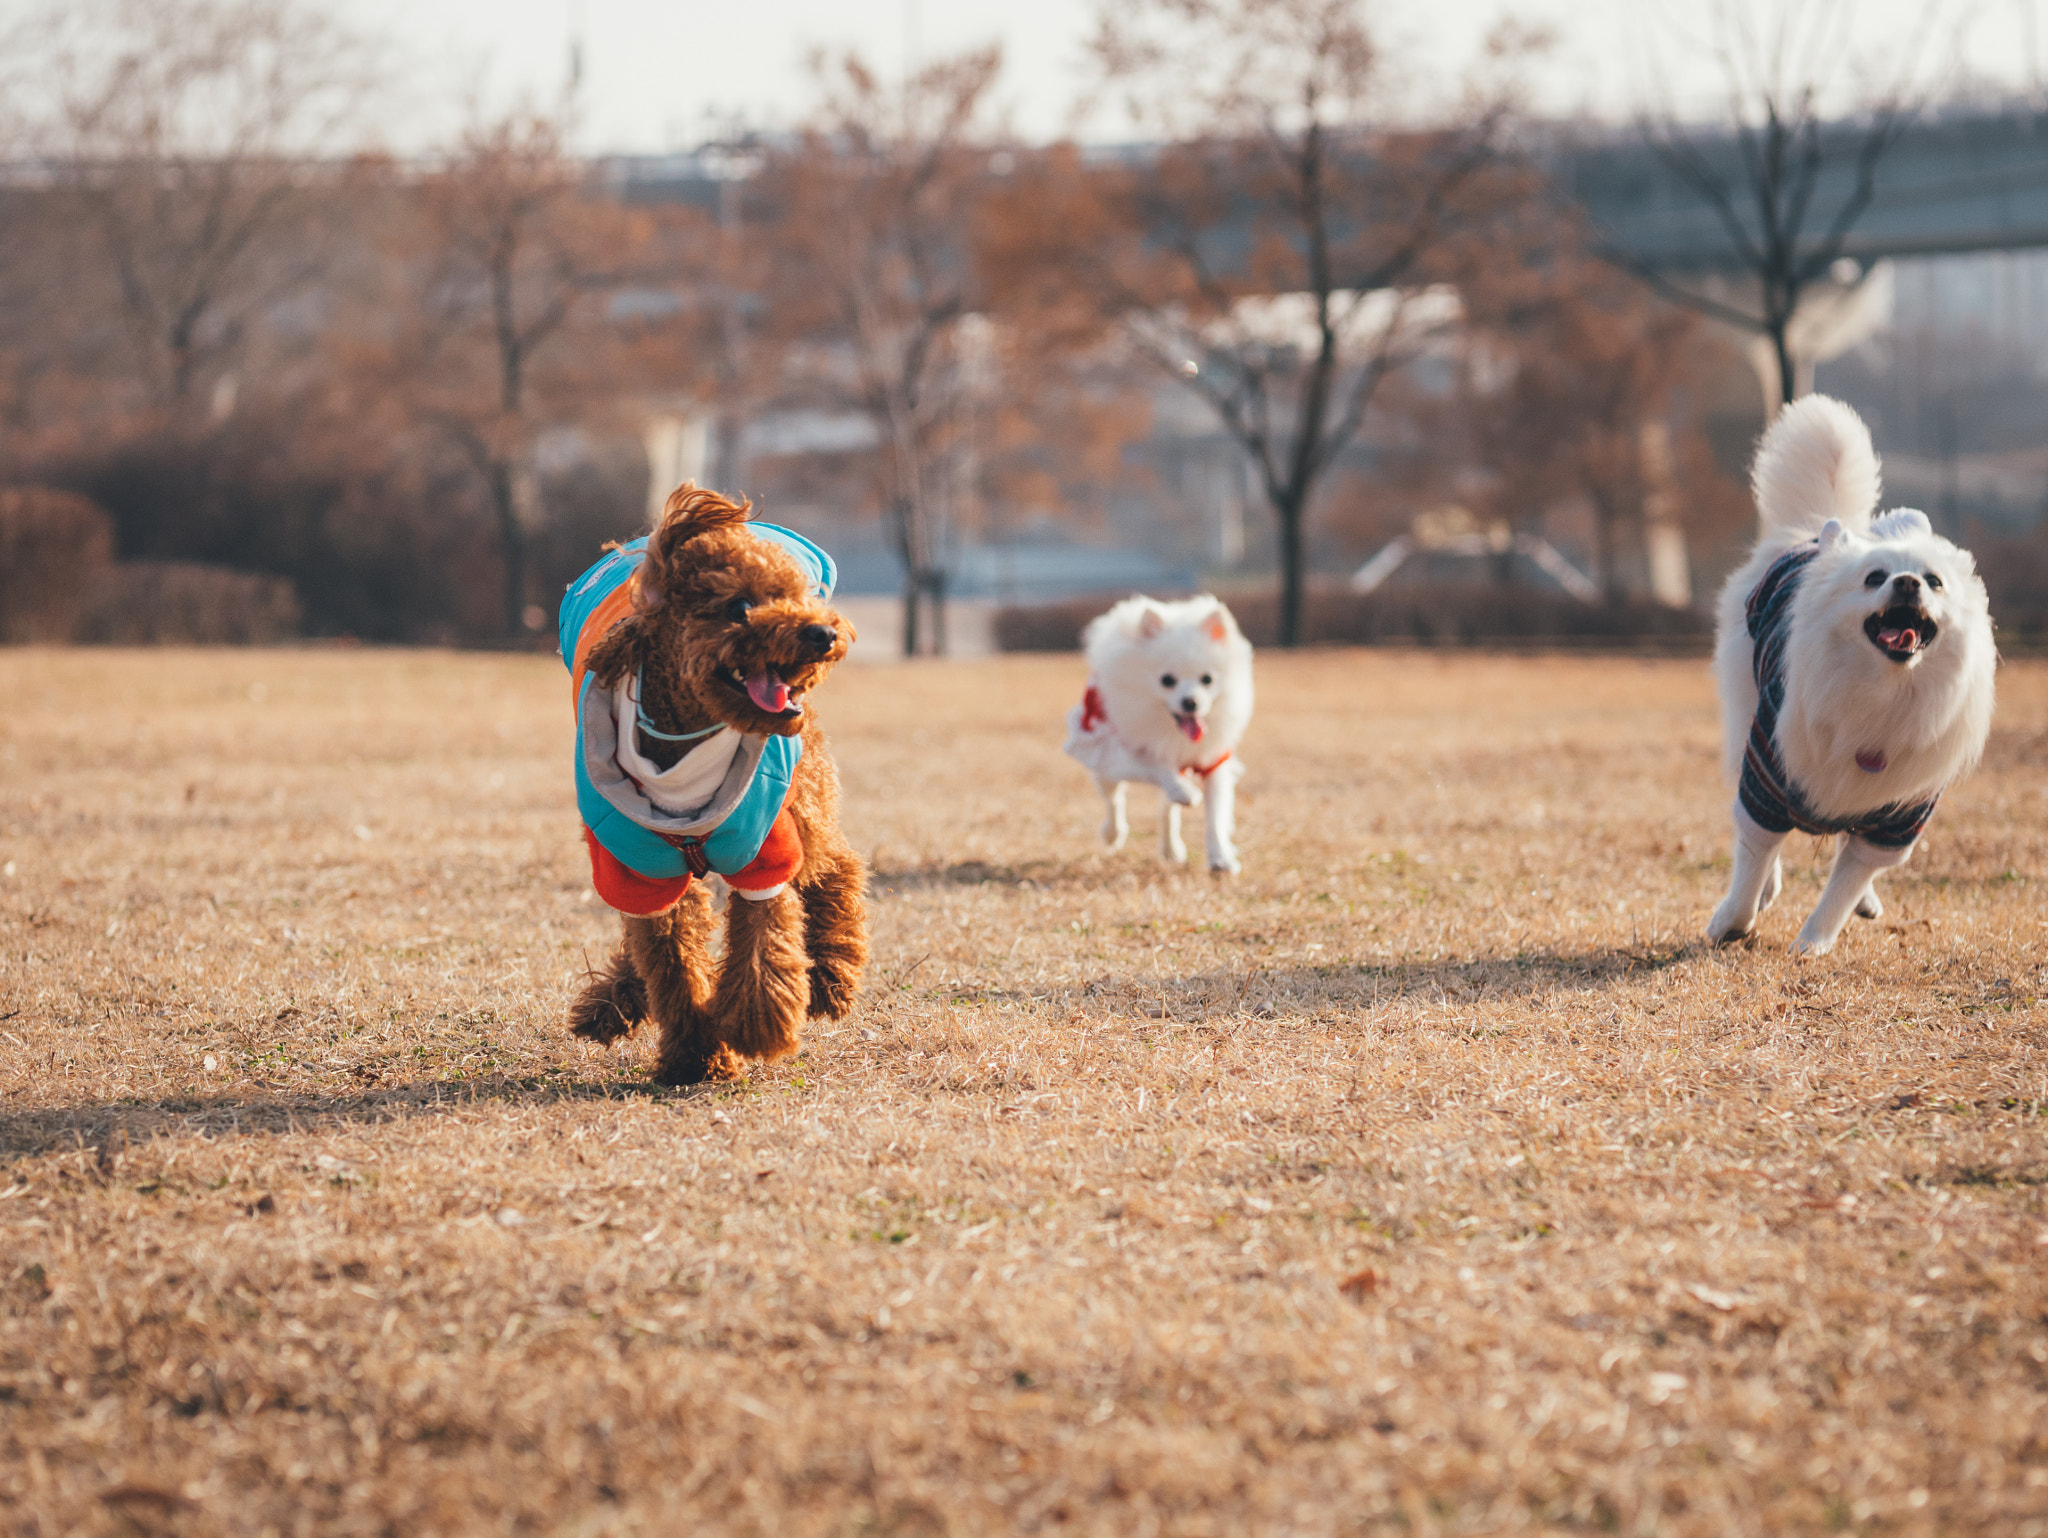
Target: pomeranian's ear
<point>1219,626</point>
<point>690,511</point>
<point>1830,532</point>
<point>1151,622</point>
<point>1901,523</point>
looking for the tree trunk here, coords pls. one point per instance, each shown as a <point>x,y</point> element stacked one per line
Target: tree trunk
<point>912,584</point>
<point>512,539</point>
<point>1289,510</point>
<point>1788,373</point>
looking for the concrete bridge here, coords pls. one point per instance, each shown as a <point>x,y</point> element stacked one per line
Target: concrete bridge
<point>1957,181</point>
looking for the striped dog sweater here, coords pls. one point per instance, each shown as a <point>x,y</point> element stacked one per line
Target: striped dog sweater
<point>1766,791</point>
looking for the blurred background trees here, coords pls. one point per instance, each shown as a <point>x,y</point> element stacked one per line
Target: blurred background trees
<point>1370,351</point>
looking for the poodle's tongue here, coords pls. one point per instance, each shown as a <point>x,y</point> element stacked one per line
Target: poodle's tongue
<point>1191,724</point>
<point>1902,639</point>
<point>1870,761</point>
<point>768,692</point>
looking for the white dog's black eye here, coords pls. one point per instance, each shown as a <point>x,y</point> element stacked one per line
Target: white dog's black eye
<point>1934,582</point>
<point>1207,680</point>
<point>736,611</point>
<point>1875,579</point>
<point>1166,680</point>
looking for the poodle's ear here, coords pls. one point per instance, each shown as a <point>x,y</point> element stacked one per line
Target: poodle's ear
<point>621,650</point>
<point>690,511</point>
<point>1151,622</point>
<point>1830,533</point>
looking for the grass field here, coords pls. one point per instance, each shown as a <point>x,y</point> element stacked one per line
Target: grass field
<point>1431,1177</point>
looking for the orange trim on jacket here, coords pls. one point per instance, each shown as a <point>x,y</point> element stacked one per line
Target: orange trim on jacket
<point>781,857</point>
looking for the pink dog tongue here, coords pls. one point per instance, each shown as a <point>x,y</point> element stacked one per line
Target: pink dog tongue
<point>769,692</point>
<point>1870,762</point>
<point>1191,724</point>
<point>1901,640</point>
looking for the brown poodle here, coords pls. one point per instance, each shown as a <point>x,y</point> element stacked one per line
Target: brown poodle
<point>721,627</point>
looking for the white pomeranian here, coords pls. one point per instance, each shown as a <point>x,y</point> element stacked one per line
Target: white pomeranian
<point>1855,659</point>
<point>1169,696</point>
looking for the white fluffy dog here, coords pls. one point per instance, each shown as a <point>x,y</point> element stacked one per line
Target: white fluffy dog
<point>1169,696</point>
<point>1854,658</point>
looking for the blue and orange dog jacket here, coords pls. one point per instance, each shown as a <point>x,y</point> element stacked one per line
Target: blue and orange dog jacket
<point>642,858</point>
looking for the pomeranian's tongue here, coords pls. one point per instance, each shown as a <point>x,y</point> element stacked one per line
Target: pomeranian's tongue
<point>768,692</point>
<point>1870,761</point>
<point>1900,639</point>
<point>1191,724</point>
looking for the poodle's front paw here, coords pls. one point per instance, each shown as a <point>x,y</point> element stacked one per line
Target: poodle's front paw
<point>1225,864</point>
<point>1183,791</point>
<point>1868,906</point>
<point>723,1065</point>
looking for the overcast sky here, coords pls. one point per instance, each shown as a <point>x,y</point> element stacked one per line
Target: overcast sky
<point>661,74</point>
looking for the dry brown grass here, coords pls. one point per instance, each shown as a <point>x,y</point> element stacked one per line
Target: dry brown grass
<point>1428,1178</point>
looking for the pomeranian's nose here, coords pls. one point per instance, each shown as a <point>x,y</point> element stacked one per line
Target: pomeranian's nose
<point>1906,585</point>
<point>818,638</point>
<point>1187,702</point>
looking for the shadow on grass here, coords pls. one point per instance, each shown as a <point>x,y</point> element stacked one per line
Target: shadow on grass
<point>1044,874</point>
<point>1362,984</point>
<point>108,1126</point>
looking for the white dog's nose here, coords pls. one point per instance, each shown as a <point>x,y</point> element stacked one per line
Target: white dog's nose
<point>1906,585</point>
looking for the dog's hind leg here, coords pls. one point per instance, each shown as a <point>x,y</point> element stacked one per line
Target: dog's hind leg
<point>1756,871</point>
<point>612,1001</point>
<point>1856,863</point>
<point>764,984</point>
<point>1116,826</point>
<point>835,929</point>
<point>1172,847</point>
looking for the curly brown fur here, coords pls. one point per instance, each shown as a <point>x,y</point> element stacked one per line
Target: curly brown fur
<point>612,1002</point>
<point>716,608</point>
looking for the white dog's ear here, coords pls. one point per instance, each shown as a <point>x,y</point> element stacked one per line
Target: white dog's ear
<point>1151,622</point>
<point>1829,533</point>
<point>1900,523</point>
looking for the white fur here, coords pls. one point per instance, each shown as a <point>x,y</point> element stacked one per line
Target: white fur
<point>1131,651</point>
<point>1816,476</point>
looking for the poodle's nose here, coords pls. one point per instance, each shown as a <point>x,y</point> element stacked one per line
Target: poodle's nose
<point>1906,585</point>
<point>818,638</point>
<point>1187,702</point>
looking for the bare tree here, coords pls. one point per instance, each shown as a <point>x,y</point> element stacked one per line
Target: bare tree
<point>1786,186</point>
<point>516,245</point>
<point>187,134</point>
<point>874,244</point>
<point>1288,239</point>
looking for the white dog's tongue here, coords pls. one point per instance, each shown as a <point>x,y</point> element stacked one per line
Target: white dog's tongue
<point>1191,724</point>
<point>768,692</point>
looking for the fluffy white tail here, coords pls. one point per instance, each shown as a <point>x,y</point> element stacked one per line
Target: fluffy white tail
<point>1814,464</point>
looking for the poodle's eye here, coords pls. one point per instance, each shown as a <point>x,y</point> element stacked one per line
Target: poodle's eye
<point>1166,680</point>
<point>1934,582</point>
<point>1207,680</point>
<point>1875,579</point>
<point>736,611</point>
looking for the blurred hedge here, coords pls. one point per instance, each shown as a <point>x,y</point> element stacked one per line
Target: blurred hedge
<point>186,603</point>
<point>54,548</point>
<point>1416,615</point>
